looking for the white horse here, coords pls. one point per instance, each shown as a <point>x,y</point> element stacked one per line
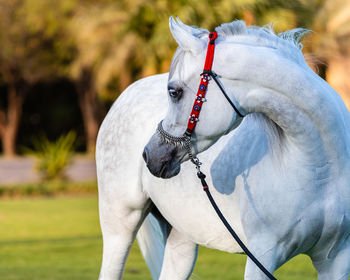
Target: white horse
<point>126,189</point>
<point>283,177</point>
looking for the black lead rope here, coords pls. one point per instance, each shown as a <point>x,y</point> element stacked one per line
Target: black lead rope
<point>202,176</point>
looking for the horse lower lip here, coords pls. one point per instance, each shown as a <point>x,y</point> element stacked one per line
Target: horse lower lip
<point>162,171</point>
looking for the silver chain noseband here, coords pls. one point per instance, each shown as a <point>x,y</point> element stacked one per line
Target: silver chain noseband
<point>183,141</point>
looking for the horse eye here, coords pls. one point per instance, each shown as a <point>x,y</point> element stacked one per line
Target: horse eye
<point>175,93</point>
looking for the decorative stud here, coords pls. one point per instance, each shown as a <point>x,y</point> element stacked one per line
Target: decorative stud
<point>196,108</point>
<point>200,98</point>
<point>193,118</point>
<point>202,87</point>
<point>205,77</point>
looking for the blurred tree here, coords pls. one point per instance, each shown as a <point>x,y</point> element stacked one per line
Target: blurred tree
<point>32,49</point>
<point>331,42</point>
<point>101,54</point>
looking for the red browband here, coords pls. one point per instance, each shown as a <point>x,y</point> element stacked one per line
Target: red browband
<point>200,99</point>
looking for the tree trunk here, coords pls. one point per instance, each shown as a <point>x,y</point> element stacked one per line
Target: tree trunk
<point>90,108</point>
<point>91,121</point>
<point>10,119</point>
<point>337,75</point>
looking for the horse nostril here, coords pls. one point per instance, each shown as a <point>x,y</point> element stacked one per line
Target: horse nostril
<point>145,155</point>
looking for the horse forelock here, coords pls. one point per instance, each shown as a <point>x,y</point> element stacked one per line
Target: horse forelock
<point>177,62</point>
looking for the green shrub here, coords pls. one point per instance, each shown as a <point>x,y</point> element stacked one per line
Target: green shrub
<point>54,157</point>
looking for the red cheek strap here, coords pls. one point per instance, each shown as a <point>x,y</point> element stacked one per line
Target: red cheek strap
<point>202,89</point>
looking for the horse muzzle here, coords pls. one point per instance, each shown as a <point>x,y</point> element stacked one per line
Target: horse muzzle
<point>160,158</point>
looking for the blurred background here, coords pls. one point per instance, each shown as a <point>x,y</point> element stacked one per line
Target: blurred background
<point>62,64</point>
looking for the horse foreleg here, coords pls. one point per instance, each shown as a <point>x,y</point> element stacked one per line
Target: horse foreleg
<point>179,257</point>
<point>266,257</point>
<point>337,264</point>
<point>119,227</point>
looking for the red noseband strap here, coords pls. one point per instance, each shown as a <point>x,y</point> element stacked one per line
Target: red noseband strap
<point>200,99</point>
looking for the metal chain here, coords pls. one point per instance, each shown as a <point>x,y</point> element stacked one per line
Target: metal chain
<point>184,141</point>
<point>193,158</point>
<point>168,138</point>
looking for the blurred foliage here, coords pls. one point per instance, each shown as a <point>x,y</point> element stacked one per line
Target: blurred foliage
<point>121,41</point>
<point>103,46</point>
<point>33,39</point>
<point>54,157</point>
<point>332,29</point>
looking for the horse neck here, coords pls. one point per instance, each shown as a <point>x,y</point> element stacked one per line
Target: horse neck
<point>310,116</point>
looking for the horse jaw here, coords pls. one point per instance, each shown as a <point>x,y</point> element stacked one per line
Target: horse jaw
<point>187,37</point>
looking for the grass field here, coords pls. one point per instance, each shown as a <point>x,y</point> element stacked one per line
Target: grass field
<point>59,238</point>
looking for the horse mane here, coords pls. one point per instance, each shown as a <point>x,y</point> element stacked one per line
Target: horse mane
<point>287,42</point>
<point>266,33</point>
<point>274,133</point>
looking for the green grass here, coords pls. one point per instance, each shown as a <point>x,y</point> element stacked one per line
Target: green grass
<point>59,238</point>
<point>212,264</point>
<point>47,188</point>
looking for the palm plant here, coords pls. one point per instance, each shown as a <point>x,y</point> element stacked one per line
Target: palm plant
<point>54,156</point>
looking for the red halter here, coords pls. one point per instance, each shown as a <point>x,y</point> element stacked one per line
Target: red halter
<point>200,99</point>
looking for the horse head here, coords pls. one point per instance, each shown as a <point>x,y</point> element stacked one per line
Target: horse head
<point>162,154</point>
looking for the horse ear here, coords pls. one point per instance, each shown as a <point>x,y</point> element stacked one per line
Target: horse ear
<point>187,37</point>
